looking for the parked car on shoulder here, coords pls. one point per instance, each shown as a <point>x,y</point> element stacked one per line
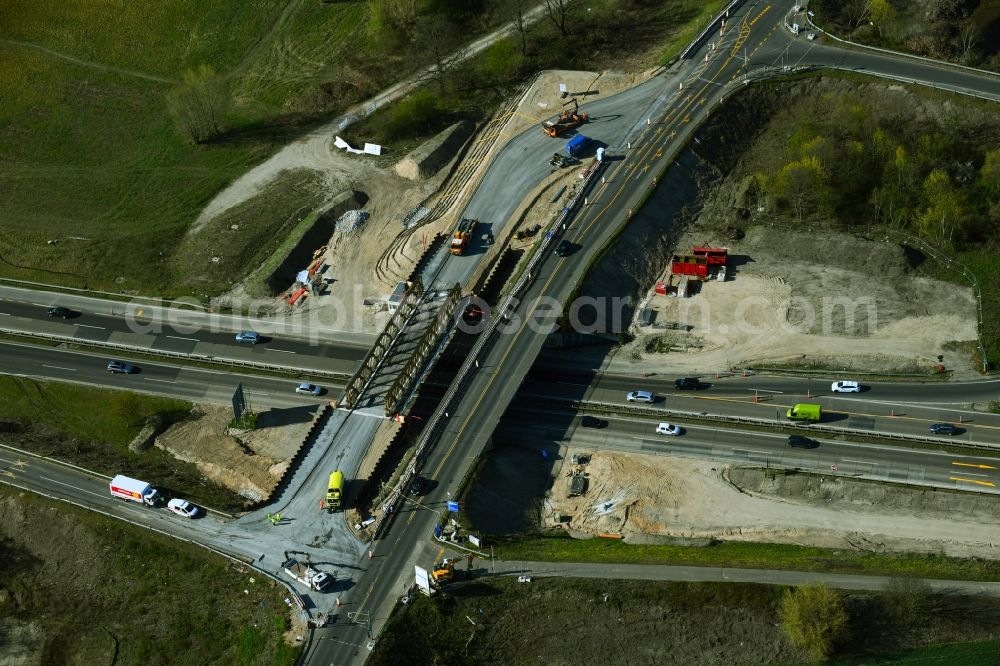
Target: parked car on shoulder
<point>182,508</point>
<point>121,367</point>
<point>944,429</point>
<point>846,387</point>
<point>308,389</point>
<point>640,396</point>
<point>524,579</point>
<point>248,337</point>
<point>668,429</point>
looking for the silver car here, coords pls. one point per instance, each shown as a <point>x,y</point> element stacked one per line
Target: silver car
<point>640,396</point>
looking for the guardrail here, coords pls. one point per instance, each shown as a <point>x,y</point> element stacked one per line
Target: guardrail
<point>115,346</point>
<point>711,26</point>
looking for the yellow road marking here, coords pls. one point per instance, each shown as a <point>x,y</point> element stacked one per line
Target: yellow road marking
<point>977,466</point>
<point>975,481</point>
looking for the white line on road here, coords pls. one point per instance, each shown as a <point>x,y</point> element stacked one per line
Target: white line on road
<point>59,367</point>
<point>5,314</point>
<point>70,485</point>
<point>100,328</point>
<point>165,381</point>
<point>964,473</point>
<point>177,337</point>
<point>283,351</point>
<point>861,462</point>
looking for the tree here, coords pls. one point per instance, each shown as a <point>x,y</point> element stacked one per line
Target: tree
<point>882,15</point>
<point>990,171</point>
<point>801,183</point>
<point>501,60</point>
<point>968,38</point>
<point>855,12</point>
<point>391,22</point>
<point>907,601</point>
<point>558,12</point>
<point>439,37</point>
<point>520,25</point>
<point>814,618</point>
<point>944,207</point>
<point>200,103</point>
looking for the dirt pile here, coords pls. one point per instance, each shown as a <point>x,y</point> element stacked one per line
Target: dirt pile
<point>637,496</point>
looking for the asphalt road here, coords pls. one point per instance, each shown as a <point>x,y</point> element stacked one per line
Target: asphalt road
<point>158,329</point>
<point>553,430</point>
<point>187,383</point>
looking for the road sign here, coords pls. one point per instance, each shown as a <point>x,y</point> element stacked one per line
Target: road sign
<point>833,467</point>
<point>453,507</point>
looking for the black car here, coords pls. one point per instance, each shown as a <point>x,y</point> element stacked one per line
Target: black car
<point>593,422</point>
<point>800,442</point>
<point>565,248</point>
<point>687,384</point>
<point>417,486</point>
<point>60,311</point>
<point>121,367</point>
<point>943,429</point>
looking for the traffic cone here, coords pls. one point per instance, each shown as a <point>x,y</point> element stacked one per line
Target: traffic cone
<point>338,601</point>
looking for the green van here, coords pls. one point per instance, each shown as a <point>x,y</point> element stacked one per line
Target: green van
<point>804,411</point>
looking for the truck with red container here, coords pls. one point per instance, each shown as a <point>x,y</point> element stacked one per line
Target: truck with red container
<point>689,265</point>
<point>134,490</point>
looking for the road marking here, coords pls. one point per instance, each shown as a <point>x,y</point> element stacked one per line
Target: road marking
<point>70,485</point>
<point>975,481</point>
<point>974,474</point>
<point>59,367</point>
<point>860,462</point>
<point>5,314</point>
<point>977,466</point>
<point>100,328</point>
<point>283,351</point>
<point>177,337</point>
<point>165,381</point>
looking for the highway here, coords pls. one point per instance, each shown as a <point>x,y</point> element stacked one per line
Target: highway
<point>187,383</point>
<point>159,329</point>
<point>552,430</point>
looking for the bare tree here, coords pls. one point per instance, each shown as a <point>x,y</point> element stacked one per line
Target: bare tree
<point>968,37</point>
<point>520,25</point>
<point>436,35</point>
<point>200,103</point>
<point>558,12</point>
<point>855,12</point>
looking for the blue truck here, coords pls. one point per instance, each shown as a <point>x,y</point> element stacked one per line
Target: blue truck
<point>576,145</point>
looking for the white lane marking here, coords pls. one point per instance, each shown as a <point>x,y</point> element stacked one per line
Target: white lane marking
<point>165,381</point>
<point>765,391</point>
<point>100,328</point>
<point>283,351</point>
<point>59,367</point>
<point>70,485</point>
<point>177,337</point>
<point>964,473</point>
<point>5,314</point>
<point>861,462</point>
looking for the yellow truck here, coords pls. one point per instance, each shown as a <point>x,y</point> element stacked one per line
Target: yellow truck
<point>461,235</point>
<point>806,412</point>
<point>335,491</point>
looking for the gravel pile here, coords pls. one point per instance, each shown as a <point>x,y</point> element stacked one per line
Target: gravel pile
<point>351,221</point>
<point>414,217</point>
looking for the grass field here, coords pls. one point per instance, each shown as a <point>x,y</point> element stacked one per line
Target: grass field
<point>561,548</point>
<point>82,588</point>
<point>983,653</point>
<point>92,428</point>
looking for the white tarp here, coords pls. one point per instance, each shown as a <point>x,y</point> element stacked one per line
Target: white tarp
<point>303,277</point>
<point>340,143</point>
<point>373,149</point>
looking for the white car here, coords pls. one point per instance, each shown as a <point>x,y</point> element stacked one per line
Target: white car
<point>640,396</point>
<point>183,508</point>
<point>846,387</point>
<point>308,389</point>
<point>668,429</point>
<point>811,36</point>
<point>524,579</point>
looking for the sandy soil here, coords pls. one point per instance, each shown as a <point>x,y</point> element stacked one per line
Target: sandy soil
<point>353,257</point>
<point>638,495</point>
<point>786,303</point>
<point>250,464</point>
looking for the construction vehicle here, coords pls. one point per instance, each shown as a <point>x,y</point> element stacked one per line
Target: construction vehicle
<point>305,574</point>
<point>443,572</point>
<point>334,491</point>
<point>566,121</point>
<point>463,232</point>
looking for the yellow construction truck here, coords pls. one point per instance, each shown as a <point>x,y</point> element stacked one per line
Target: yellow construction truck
<point>566,121</point>
<point>334,491</point>
<point>461,235</point>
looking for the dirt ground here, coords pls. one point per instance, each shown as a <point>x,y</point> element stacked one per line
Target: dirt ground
<point>820,298</point>
<point>642,497</point>
<point>249,463</point>
<point>353,257</point>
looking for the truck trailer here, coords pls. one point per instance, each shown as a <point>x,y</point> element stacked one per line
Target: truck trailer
<point>305,574</point>
<point>335,491</point>
<point>134,490</point>
<point>803,411</point>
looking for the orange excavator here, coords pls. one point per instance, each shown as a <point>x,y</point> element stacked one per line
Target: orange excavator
<point>566,121</point>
